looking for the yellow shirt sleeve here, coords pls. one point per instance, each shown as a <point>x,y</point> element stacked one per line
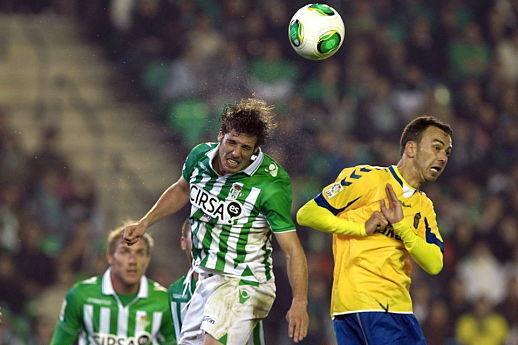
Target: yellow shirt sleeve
<point>320,218</point>
<point>427,251</point>
<point>323,212</point>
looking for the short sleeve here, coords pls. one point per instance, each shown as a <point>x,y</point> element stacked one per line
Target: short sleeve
<point>350,186</point>
<point>70,319</point>
<point>277,205</point>
<point>192,159</point>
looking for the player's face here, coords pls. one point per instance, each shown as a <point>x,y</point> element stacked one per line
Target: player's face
<point>129,263</point>
<point>235,152</point>
<point>432,153</point>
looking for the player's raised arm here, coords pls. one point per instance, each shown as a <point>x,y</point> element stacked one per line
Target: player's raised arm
<point>297,316</point>
<point>426,252</point>
<point>173,199</point>
<point>327,211</point>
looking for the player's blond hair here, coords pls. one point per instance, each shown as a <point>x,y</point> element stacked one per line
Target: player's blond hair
<point>115,237</point>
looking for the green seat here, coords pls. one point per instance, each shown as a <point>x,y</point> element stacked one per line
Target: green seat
<point>189,118</point>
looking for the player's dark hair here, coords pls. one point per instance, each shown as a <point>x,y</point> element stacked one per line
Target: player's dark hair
<point>250,116</point>
<point>115,237</point>
<point>417,126</point>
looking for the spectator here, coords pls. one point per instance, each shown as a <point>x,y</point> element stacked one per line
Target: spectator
<point>481,263</point>
<point>482,326</point>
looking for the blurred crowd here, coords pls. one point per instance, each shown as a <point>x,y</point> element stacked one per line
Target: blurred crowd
<point>457,60</point>
<point>49,233</point>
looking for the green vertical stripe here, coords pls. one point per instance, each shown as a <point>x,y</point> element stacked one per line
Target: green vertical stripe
<point>257,333</point>
<point>196,253</point>
<point>245,232</point>
<point>132,317</point>
<point>207,238</point>
<point>114,315</point>
<point>96,318</point>
<point>178,306</point>
<point>225,229</point>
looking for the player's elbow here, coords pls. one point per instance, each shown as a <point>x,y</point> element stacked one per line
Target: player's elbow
<point>303,216</point>
<point>434,268</point>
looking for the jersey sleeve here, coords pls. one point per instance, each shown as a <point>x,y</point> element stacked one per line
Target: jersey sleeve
<point>323,212</point>
<point>174,313</point>
<point>427,251</point>
<point>192,159</point>
<point>167,332</point>
<point>277,205</point>
<point>70,320</point>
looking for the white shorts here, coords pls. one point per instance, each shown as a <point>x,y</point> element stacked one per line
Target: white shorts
<point>226,308</point>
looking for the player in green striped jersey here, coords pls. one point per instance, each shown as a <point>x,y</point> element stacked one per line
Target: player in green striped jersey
<point>180,292</point>
<point>239,197</point>
<point>122,306</point>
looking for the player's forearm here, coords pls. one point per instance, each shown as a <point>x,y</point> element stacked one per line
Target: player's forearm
<point>319,218</point>
<point>173,199</point>
<point>298,274</point>
<point>427,255</point>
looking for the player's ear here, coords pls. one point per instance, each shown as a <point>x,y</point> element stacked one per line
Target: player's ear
<point>411,149</point>
<point>255,154</point>
<point>220,136</point>
<point>109,258</point>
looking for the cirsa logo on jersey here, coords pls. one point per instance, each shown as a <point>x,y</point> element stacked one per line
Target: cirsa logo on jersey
<point>144,339</point>
<point>234,209</point>
<point>223,210</point>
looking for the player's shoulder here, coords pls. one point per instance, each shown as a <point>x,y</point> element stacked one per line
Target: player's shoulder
<point>271,169</point>
<point>201,149</point>
<point>85,287</point>
<point>177,285</point>
<point>88,283</point>
<point>156,290</point>
<point>363,172</point>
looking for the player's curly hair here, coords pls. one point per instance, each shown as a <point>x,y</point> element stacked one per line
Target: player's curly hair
<point>115,237</point>
<point>249,116</point>
<point>417,126</point>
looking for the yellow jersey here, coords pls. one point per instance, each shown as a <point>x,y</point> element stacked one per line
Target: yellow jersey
<point>372,272</point>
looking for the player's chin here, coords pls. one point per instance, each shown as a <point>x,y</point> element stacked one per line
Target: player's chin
<point>433,175</point>
<point>132,278</point>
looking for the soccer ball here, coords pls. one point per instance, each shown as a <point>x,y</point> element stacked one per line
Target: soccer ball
<point>316,31</point>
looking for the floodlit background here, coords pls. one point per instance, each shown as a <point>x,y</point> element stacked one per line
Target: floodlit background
<point>101,100</point>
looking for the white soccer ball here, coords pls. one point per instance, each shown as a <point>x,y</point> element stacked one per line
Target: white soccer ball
<point>316,31</point>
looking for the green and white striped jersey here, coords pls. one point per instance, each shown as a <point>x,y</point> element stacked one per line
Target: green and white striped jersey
<point>180,293</point>
<point>233,216</point>
<point>93,310</point>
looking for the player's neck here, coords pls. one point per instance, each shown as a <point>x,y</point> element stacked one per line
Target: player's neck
<point>409,172</point>
<point>123,289</point>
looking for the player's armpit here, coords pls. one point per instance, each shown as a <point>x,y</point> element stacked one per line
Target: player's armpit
<point>427,253</point>
<point>319,218</point>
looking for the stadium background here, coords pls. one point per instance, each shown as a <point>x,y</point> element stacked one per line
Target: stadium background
<point>101,100</point>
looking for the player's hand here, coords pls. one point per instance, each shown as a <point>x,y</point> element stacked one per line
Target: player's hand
<point>377,221</point>
<point>298,321</point>
<point>133,232</point>
<point>394,211</point>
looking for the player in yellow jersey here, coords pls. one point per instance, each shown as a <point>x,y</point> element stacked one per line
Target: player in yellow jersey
<point>380,220</point>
